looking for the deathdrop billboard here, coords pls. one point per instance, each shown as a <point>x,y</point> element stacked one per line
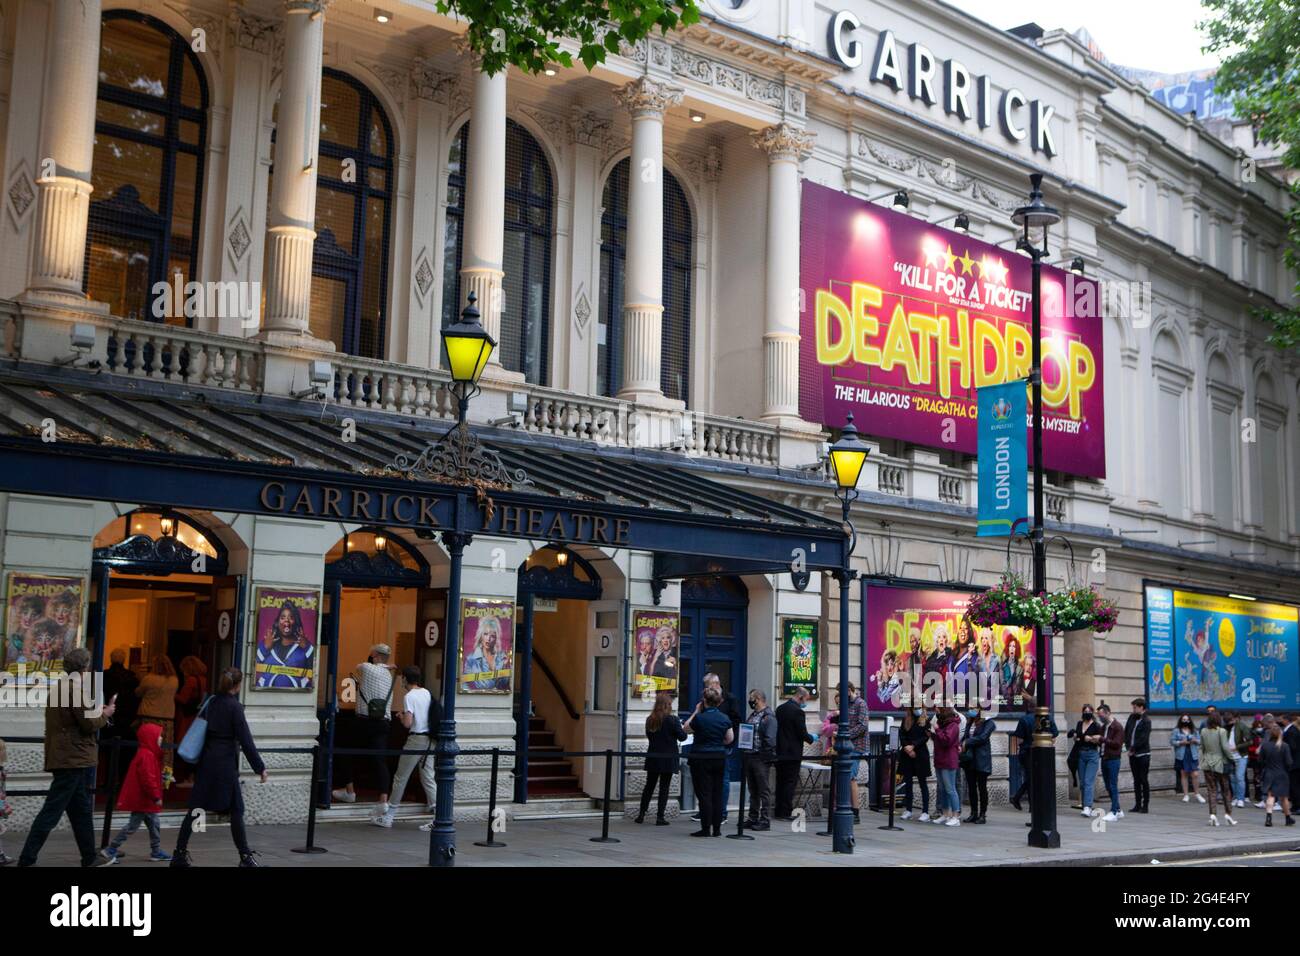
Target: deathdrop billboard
<point>903,321</point>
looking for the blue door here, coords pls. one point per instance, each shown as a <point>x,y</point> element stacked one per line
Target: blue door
<point>713,640</point>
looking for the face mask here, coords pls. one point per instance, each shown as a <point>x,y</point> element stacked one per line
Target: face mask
<point>803,705</point>
<point>753,704</point>
<point>916,713</point>
<point>972,714</point>
<point>1087,716</point>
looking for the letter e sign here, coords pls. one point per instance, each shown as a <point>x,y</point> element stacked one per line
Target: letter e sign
<point>431,633</point>
<point>223,625</point>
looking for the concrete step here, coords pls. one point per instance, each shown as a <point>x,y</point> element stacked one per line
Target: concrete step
<point>556,808</point>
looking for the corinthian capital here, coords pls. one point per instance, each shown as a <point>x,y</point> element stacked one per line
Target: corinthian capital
<point>645,97</point>
<point>784,141</point>
<point>313,8</point>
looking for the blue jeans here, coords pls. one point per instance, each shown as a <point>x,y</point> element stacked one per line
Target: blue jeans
<point>1088,763</point>
<point>1239,778</point>
<point>948,798</point>
<point>1110,771</point>
<point>150,821</point>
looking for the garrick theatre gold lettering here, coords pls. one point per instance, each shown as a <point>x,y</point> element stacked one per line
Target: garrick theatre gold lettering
<point>352,504</point>
<point>578,526</point>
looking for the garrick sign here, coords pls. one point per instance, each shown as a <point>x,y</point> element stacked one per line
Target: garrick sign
<point>930,80</point>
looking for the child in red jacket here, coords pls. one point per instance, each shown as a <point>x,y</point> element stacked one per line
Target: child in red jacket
<point>141,794</point>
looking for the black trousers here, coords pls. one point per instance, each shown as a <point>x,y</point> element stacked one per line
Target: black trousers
<point>369,733</point>
<point>760,791</point>
<point>70,793</point>
<point>237,831</point>
<point>1140,768</point>
<point>977,788</point>
<point>1025,791</point>
<point>787,778</point>
<point>664,781</point>
<point>706,776</point>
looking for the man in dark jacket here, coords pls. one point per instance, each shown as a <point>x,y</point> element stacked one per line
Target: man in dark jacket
<point>1137,741</point>
<point>1025,733</point>
<point>758,766</point>
<point>791,735</point>
<point>72,719</point>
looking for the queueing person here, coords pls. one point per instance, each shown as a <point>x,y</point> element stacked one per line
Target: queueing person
<point>946,742</point>
<point>914,761</point>
<point>71,755</point>
<point>1216,763</point>
<point>759,764</point>
<point>1291,737</point>
<point>375,679</point>
<point>791,736</point>
<point>1088,734</point>
<point>216,777</point>
<point>1112,747</point>
<point>1186,741</point>
<point>1137,741</point>
<point>142,795</point>
<point>713,735</point>
<point>977,757</point>
<point>6,811</point>
<point>1253,759</point>
<point>1275,761</point>
<point>663,731</point>
<point>731,708</point>
<point>858,727</point>
<point>420,715</point>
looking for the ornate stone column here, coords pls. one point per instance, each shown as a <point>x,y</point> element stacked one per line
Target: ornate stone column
<point>483,240</point>
<point>292,218</point>
<point>643,308</point>
<point>67,151</point>
<point>786,147</point>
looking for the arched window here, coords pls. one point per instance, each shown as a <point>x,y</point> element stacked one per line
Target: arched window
<point>354,188</point>
<point>150,137</point>
<point>526,286</point>
<point>674,370</point>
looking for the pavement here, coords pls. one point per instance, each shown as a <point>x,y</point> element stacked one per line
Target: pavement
<point>1173,832</point>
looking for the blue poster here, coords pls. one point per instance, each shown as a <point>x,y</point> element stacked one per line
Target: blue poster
<point>1003,458</point>
<point>1234,653</point>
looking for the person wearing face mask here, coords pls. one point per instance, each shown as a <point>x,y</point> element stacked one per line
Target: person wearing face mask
<point>914,761</point>
<point>977,760</point>
<point>1186,742</point>
<point>760,761</point>
<point>791,736</point>
<point>1087,735</point>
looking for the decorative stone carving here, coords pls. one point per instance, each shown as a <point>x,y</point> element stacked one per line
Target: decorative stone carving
<point>945,176</point>
<point>646,97</point>
<point>238,241</point>
<point>588,129</point>
<point>212,26</point>
<point>703,168</point>
<point>315,8</point>
<point>251,32</point>
<point>397,81</point>
<point>423,276</point>
<point>901,162</point>
<point>555,127</point>
<point>784,141</point>
<point>20,197</point>
<point>582,312</point>
<point>429,84</point>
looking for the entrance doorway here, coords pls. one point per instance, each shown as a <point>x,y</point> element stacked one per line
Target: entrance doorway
<point>377,592</point>
<point>562,702</point>
<point>713,640</point>
<point>163,603</point>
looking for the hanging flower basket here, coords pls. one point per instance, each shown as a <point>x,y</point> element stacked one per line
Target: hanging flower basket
<point>1009,602</point>
<point>1081,608</point>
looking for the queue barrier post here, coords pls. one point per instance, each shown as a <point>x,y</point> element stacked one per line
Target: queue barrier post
<point>893,798</point>
<point>604,819</point>
<point>311,846</point>
<point>114,761</point>
<point>830,806</point>
<point>491,840</point>
<point>740,833</point>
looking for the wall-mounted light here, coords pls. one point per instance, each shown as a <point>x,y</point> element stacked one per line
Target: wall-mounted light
<point>1077,266</point>
<point>550,69</point>
<point>963,224</point>
<point>901,201</point>
<point>168,526</point>
<point>697,116</point>
<point>381,543</point>
<point>562,557</point>
<point>1242,597</point>
<point>382,16</point>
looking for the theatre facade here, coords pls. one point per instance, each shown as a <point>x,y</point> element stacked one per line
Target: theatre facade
<point>233,232</point>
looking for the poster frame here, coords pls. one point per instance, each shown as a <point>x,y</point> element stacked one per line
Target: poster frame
<point>815,685</point>
<point>460,644</point>
<point>256,643</point>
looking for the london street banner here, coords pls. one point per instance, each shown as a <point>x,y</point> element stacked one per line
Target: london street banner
<point>287,628</point>
<point>1003,458</point>
<point>1207,649</point>
<point>654,657</point>
<point>487,645</point>
<point>42,623</point>
<point>902,322</point>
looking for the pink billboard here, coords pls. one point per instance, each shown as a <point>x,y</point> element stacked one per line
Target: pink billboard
<point>903,321</point>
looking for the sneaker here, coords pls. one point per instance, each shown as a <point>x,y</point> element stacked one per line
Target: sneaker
<point>102,860</point>
<point>939,820</point>
<point>1119,814</point>
<point>695,816</point>
<point>905,815</point>
<point>952,822</point>
<point>342,796</point>
<point>1087,812</point>
<point>1238,803</point>
<point>924,818</point>
<point>159,856</point>
<point>1260,805</point>
<point>248,859</point>
<point>383,820</point>
<point>1187,798</point>
<point>426,827</point>
<point>1110,818</point>
<point>1228,817</point>
<point>1199,798</point>
<point>111,853</point>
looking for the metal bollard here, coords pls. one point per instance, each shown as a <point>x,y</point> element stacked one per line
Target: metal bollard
<point>740,833</point>
<point>311,846</point>
<point>893,799</point>
<point>491,841</point>
<point>114,761</point>
<point>604,820</point>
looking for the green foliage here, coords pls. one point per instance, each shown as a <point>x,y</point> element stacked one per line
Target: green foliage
<point>528,33</point>
<point>1261,73</point>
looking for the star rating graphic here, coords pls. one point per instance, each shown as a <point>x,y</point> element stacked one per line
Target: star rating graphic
<point>944,259</point>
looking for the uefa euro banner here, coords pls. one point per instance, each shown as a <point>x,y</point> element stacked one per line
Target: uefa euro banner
<point>903,321</point>
<point>1003,486</point>
<point>1207,649</point>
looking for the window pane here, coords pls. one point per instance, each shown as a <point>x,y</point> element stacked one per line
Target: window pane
<point>328,309</point>
<point>335,215</point>
<point>183,197</point>
<point>144,121</point>
<point>450,269</point>
<point>377,178</point>
<point>340,112</point>
<point>134,56</point>
<point>191,133</point>
<point>121,163</point>
<point>720,627</point>
<point>119,275</point>
<point>372,276</point>
<point>191,85</point>
<point>378,139</point>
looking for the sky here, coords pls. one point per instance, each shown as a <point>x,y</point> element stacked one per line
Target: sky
<point>1158,35</point>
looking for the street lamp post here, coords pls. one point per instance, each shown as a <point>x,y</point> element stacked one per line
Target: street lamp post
<point>1035,219</point>
<point>847,455</point>
<point>469,347</point>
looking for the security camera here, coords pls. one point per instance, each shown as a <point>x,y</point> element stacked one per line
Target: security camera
<point>82,340</point>
<point>517,406</point>
<point>321,374</point>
